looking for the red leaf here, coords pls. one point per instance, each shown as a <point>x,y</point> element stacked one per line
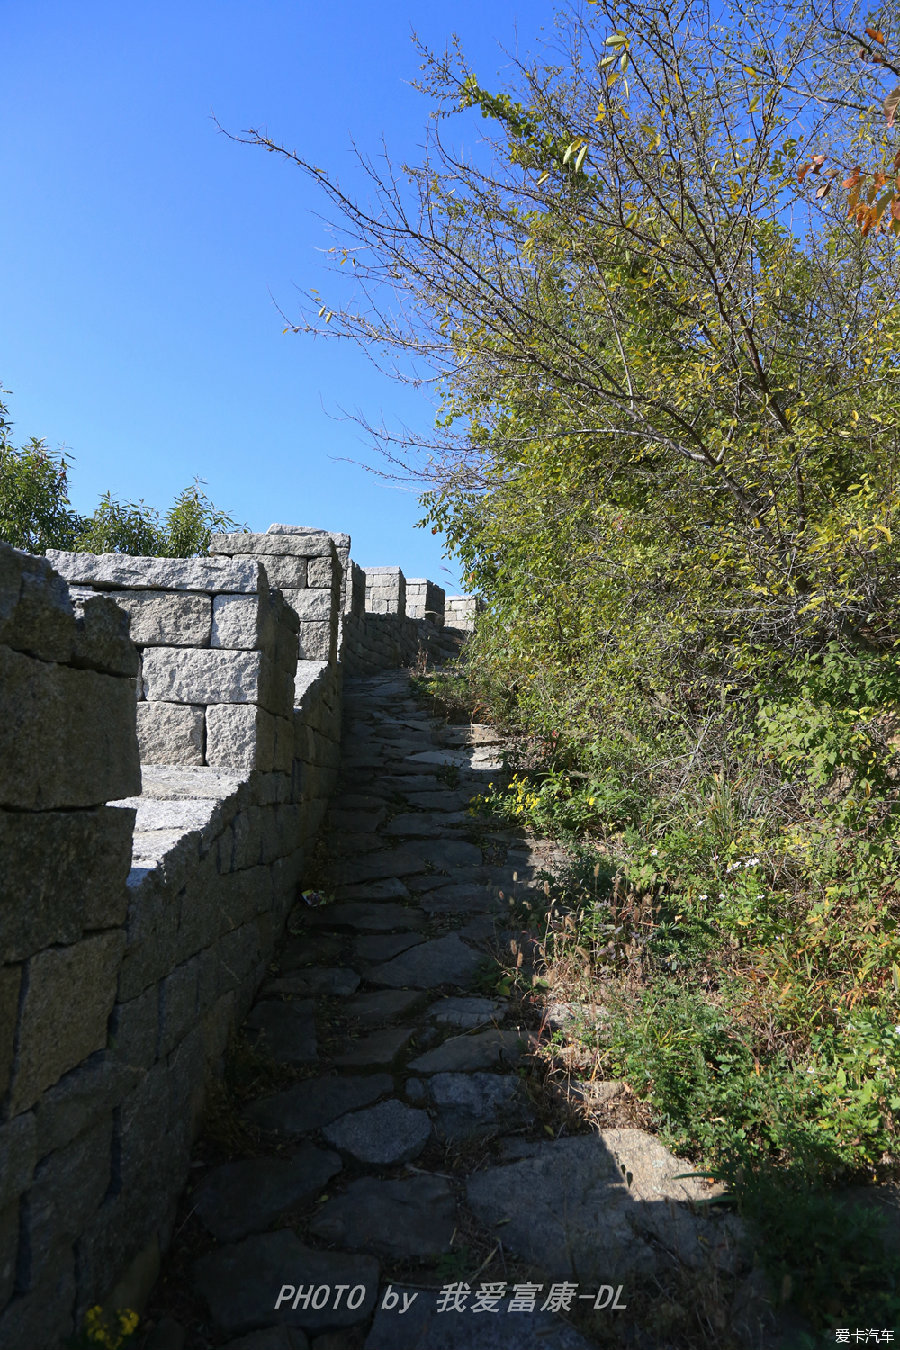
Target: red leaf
<point>875,34</point>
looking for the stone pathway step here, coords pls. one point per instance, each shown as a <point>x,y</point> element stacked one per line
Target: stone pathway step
<point>404,1149</point>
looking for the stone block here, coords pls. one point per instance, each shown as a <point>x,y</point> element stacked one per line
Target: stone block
<point>62,872</point>
<point>9,1246</point>
<point>176,675</point>
<point>241,621</point>
<point>178,1004</point>
<point>65,1012</point>
<point>36,613</point>
<point>285,571</point>
<point>102,639</point>
<point>79,1100</point>
<point>18,1156</point>
<point>186,1071</point>
<point>67,737</point>
<point>168,618</point>
<point>240,737</point>
<point>112,571</point>
<point>43,1316</point>
<point>311,605</point>
<point>10,984</point>
<point>318,642</point>
<point>150,1128</point>
<point>170,733</point>
<point>134,1030</point>
<point>239,953</point>
<point>299,543</point>
<point>322,572</point>
<point>67,1189</point>
<point>152,939</point>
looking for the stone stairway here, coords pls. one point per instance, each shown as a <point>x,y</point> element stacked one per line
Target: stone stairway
<point>401,1187</point>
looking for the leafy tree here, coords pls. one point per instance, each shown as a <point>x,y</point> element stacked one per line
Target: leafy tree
<point>133,527</point>
<point>667,443</point>
<point>36,514</point>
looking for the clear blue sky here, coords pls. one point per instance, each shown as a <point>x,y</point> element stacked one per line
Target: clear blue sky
<point>139,247</point>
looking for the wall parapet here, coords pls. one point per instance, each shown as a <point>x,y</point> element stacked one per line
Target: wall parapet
<point>158,801</point>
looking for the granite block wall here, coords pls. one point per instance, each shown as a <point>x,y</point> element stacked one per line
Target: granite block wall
<point>159,795</point>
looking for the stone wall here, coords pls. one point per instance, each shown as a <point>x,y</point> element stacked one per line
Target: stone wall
<point>134,935</point>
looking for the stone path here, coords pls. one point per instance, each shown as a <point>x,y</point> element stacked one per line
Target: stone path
<point>408,1152</point>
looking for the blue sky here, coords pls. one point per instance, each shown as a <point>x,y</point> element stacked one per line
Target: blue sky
<point>140,250</point>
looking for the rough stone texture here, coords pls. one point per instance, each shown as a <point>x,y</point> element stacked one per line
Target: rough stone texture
<point>444,960</point>
<point>89,1092</point>
<point>240,737</point>
<point>466,1012</point>
<point>175,675</point>
<point>62,872</point>
<point>71,740</point>
<point>245,1197</point>
<point>382,947</point>
<point>412,1218</point>
<point>471,1104</point>
<point>336,982</point>
<point>65,1013</point>
<point>10,984</point>
<point>119,571</point>
<point>170,733</point>
<point>393,862</point>
<point>316,1102</point>
<point>166,618</point>
<point>384,1135</point>
<point>102,640</point>
<point>374,918</point>
<point>381,1005</point>
<point>568,1206</point>
<point>241,1283</point>
<point>296,543</point>
<point>481,1050</point>
<point>379,1049</point>
<point>36,614</point>
<point>240,621</point>
<point>285,1030</point>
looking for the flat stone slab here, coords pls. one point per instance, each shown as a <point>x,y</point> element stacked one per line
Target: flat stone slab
<point>242,1282</point>
<point>286,1031</point>
<point>420,824</point>
<point>333,981</point>
<point>367,918</point>
<point>355,822</point>
<point>390,862</point>
<point>422,1327</point>
<point>382,1135</point>
<point>310,1105</point>
<point>472,1104</point>
<point>303,950</point>
<point>445,853</point>
<point>413,1218</point>
<point>444,960</point>
<point>466,1012</point>
<point>391,888</point>
<point>473,897</point>
<point>247,1196</point>
<point>381,1005</point>
<point>569,1209</point>
<point>382,947</point>
<point>480,1050</point>
<point>379,1050</point>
